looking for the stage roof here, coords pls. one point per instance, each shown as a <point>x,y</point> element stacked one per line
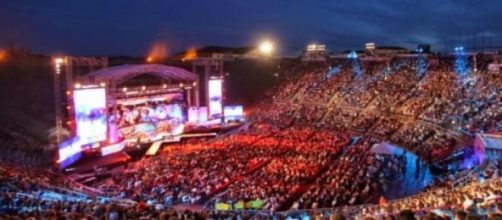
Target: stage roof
<point>125,72</point>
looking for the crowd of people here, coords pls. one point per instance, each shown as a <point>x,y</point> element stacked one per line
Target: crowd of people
<point>302,156</point>
<point>308,154</point>
<point>36,194</point>
<point>425,113</point>
<point>346,184</point>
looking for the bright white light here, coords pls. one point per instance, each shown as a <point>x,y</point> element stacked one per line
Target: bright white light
<point>215,98</point>
<point>59,61</point>
<point>266,47</point>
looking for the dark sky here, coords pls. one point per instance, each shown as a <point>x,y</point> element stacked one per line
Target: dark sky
<point>130,27</point>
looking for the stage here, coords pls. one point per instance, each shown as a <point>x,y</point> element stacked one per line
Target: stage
<point>97,163</point>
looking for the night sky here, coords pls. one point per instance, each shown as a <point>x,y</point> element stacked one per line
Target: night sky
<point>131,27</point>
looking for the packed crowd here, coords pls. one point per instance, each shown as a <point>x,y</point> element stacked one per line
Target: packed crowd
<point>188,174</point>
<point>301,154</point>
<point>346,184</point>
<point>426,113</point>
<point>478,199</point>
<point>33,194</point>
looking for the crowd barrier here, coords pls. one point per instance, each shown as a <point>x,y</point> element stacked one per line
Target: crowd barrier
<point>346,210</point>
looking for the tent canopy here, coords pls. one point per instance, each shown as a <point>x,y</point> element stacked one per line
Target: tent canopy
<point>386,148</point>
<point>491,141</point>
<point>125,72</point>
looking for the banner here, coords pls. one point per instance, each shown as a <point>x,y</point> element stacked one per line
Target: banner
<point>239,205</point>
<point>222,207</point>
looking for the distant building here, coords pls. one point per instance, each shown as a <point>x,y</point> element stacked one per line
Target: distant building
<point>389,51</point>
<point>218,53</point>
<point>424,48</point>
<point>496,65</point>
<point>369,46</point>
<point>315,52</point>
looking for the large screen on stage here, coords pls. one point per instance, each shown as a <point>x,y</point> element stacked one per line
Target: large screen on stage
<point>197,115</point>
<point>215,98</point>
<point>233,113</point>
<point>90,108</point>
<point>148,121</point>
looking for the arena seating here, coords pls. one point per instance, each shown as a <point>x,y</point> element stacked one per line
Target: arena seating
<point>300,158</point>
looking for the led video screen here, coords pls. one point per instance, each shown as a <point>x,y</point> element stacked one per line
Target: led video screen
<point>145,121</point>
<point>90,114</point>
<point>197,115</point>
<point>215,99</point>
<point>235,112</point>
<point>69,152</point>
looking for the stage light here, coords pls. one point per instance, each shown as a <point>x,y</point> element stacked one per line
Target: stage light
<point>190,54</point>
<point>149,59</point>
<point>59,61</point>
<point>181,85</point>
<point>124,89</point>
<point>143,88</point>
<point>421,68</point>
<point>164,86</point>
<point>461,62</point>
<point>3,55</point>
<point>102,84</point>
<point>266,47</point>
<point>78,85</point>
<point>194,83</point>
<point>352,55</point>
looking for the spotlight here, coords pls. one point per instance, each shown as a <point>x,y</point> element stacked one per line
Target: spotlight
<point>266,47</point>
<point>59,61</point>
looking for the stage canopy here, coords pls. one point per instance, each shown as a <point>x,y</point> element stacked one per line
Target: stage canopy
<point>119,74</point>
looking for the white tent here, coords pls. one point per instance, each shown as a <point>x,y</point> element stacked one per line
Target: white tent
<point>122,73</point>
<point>386,148</point>
<point>488,146</point>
